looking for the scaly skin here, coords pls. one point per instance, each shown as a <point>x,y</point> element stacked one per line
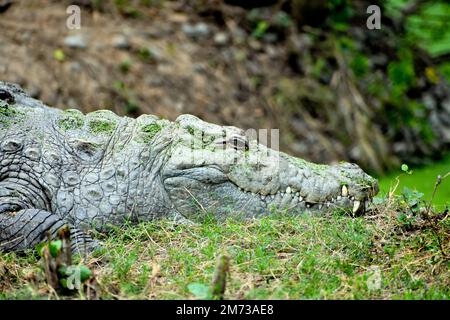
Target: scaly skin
<point>96,170</point>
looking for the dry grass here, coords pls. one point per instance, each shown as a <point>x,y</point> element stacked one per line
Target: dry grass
<point>379,256</point>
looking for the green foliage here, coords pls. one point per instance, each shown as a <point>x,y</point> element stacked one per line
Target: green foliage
<point>260,29</point>
<point>360,65</point>
<point>428,28</point>
<point>401,75</point>
<point>276,257</point>
<point>145,54</point>
<point>411,197</point>
<point>125,65</point>
<point>423,180</point>
<point>341,12</point>
<point>128,96</point>
<point>200,291</point>
<point>405,168</point>
<point>69,276</point>
<point>59,55</point>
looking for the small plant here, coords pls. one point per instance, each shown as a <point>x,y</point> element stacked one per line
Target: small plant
<point>59,55</point>
<point>125,65</point>
<point>217,288</point>
<point>127,96</point>
<point>260,29</point>
<point>59,271</point>
<point>405,169</point>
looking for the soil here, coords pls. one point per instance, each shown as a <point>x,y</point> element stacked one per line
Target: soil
<point>174,58</point>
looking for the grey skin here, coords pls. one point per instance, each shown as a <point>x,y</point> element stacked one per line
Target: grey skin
<point>96,170</point>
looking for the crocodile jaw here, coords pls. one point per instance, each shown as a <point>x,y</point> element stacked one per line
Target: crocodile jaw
<point>224,181</point>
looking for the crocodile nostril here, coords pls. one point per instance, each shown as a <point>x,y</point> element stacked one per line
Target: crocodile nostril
<point>11,146</point>
<point>6,96</point>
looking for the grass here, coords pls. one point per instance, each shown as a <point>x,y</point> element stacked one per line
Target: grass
<point>398,250</point>
<point>422,179</point>
<point>278,257</point>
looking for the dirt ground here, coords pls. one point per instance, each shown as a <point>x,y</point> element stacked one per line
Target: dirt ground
<point>169,73</point>
<point>173,59</point>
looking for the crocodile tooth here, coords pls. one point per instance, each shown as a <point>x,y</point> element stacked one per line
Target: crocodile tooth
<point>300,199</point>
<point>338,198</point>
<point>288,190</point>
<point>320,206</point>
<point>297,194</point>
<point>308,205</point>
<point>352,198</point>
<point>356,205</point>
<point>263,197</point>
<point>344,191</point>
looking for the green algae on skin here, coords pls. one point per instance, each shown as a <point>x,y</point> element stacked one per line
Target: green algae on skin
<point>316,168</point>
<point>10,116</point>
<point>102,122</point>
<point>71,120</point>
<point>150,131</point>
<point>101,126</point>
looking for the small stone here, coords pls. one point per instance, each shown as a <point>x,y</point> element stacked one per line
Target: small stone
<point>121,42</point>
<point>270,38</point>
<point>198,30</point>
<point>155,54</point>
<point>75,66</point>
<point>221,38</point>
<point>76,41</point>
<point>344,191</point>
<point>202,29</point>
<point>356,205</point>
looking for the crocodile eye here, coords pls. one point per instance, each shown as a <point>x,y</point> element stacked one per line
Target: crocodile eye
<point>11,146</point>
<point>6,96</point>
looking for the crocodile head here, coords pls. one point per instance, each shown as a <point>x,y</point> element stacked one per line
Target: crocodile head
<point>221,171</point>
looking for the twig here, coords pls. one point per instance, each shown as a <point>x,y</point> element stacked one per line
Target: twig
<point>218,284</point>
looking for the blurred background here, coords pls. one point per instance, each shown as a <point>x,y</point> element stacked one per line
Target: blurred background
<point>334,88</point>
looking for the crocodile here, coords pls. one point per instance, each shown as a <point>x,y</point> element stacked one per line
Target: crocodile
<point>97,170</point>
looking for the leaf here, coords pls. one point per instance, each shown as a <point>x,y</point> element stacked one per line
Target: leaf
<point>55,247</point>
<point>63,283</point>
<point>40,248</point>
<point>432,75</point>
<point>59,55</point>
<point>261,29</point>
<point>199,290</point>
<point>401,74</point>
<point>85,273</point>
